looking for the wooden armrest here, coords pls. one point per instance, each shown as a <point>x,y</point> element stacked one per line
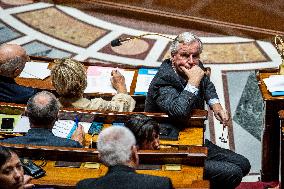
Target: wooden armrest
<point>194,155</point>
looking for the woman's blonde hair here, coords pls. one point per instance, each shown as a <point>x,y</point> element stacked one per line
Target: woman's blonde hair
<point>69,78</point>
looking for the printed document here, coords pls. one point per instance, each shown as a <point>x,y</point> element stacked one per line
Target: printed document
<point>37,70</point>
<point>98,79</point>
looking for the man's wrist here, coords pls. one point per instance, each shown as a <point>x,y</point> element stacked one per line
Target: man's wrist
<point>191,89</point>
<point>213,101</point>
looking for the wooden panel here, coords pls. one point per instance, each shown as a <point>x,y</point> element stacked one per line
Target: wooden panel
<point>193,155</point>
<point>270,141</point>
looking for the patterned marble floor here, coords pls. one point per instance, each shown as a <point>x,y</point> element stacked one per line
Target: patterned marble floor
<point>57,31</point>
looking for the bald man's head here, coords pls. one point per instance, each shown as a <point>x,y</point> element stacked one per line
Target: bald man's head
<point>42,110</point>
<point>12,60</point>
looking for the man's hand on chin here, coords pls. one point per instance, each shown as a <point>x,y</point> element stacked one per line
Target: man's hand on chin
<point>194,75</point>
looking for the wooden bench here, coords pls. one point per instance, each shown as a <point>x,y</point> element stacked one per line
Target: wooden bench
<point>190,135</point>
<point>187,151</point>
<point>190,160</point>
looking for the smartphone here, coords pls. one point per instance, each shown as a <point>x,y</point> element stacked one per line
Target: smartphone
<point>165,131</point>
<point>7,124</point>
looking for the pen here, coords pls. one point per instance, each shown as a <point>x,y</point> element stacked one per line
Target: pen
<point>73,128</point>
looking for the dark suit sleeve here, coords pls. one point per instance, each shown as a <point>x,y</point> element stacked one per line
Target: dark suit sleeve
<point>209,89</point>
<point>170,184</point>
<point>174,103</point>
<point>208,86</point>
<point>85,184</point>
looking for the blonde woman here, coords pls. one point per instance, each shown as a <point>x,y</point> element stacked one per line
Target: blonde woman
<point>70,80</point>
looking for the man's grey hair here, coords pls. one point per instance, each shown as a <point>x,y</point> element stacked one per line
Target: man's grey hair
<point>115,145</point>
<point>185,37</point>
<point>42,109</point>
<point>8,68</point>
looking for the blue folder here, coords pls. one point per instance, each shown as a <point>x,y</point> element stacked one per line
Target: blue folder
<point>277,93</point>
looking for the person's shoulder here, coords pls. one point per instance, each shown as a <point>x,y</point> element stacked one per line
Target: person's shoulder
<point>156,179</point>
<point>58,141</point>
<point>13,140</point>
<point>165,70</point>
<point>166,64</point>
<point>86,183</point>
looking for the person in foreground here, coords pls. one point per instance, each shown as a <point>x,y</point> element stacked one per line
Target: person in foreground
<point>117,150</point>
<point>223,167</point>
<point>146,131</point>
<point>70,80</point>
<point>12,62</point>
<point>42,110</point>
<point>11,171</point>
<point>181,85</point>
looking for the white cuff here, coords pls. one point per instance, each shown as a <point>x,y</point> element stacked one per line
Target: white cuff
<point>213,101</point>
<point>191,89</point>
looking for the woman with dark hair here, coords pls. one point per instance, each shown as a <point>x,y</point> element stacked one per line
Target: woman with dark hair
<point>11,171</point>
<point>146,131</point>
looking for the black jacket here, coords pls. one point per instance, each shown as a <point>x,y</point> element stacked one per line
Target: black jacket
<point>42,137</point>
<point>166,93</point>
<point>10,91</point>
<point>123,177</point>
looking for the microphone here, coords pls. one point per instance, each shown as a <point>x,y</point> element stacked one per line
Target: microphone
<point>118,41</point>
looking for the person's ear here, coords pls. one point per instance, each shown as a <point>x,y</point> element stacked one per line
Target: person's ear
<point>26,112</point>
<point>134,155</point>
<point>57,116</point>
<point>17,72</point>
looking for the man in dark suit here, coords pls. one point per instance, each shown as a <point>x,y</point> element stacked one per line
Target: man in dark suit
<point>117,150</point>
<point>42,110</point>
<point>180,85</point>
<point>12,62</point>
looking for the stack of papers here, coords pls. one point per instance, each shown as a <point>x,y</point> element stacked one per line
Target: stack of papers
<point>98,79</point>
<point>36,70</point>
<point>275,85</point>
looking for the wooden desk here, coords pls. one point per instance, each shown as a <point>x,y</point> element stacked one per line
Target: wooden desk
<point>191,135</point>
<point>270,139</point>
<point>190,175</point>
<point>46,84</point>
<point>281,117</point>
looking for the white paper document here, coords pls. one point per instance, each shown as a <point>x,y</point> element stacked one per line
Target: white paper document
<point>274,83</point>
<point>61,128</point>
<point>98,79</point>
<point>37,70</point>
